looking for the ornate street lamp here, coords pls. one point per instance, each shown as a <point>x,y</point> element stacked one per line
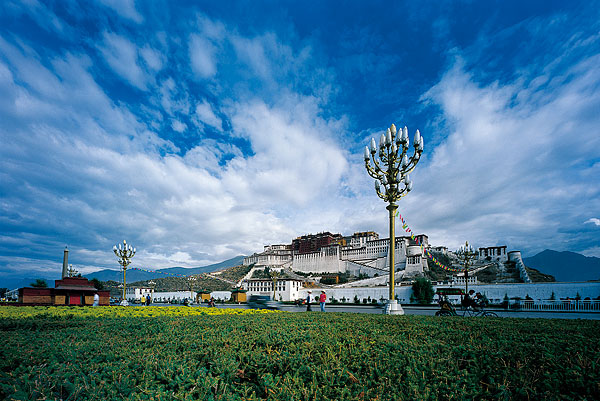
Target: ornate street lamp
<point>191,280</point>
<point>71,272</point>
<point>274,275</point>
<point>392,171</point>
<point>124,253</point>
<point>466,254</point>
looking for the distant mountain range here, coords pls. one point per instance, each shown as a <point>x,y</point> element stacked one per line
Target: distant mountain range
<point>565,266</point>
<point>138,275</point>
<point>25,278</point>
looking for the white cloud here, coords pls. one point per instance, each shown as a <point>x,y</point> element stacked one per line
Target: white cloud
<point>173,98</point>
<point>181,257</point>
<point>594,220</point>
<point>153,58</point>
<point>206,115</point>
<point>592,252</point>
<point>122,56</point>
<point>295,159</point>
<point>202,56</point>
<point>125,8</point>
<point>504,173</point>
<point>252,53</point>
<point>178,126</point>
<point>43,16</point>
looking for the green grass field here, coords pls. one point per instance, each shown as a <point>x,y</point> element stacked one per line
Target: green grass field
<point>74,355</point>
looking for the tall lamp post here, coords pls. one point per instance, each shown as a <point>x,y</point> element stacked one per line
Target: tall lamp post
<point>124,253</point>
<point>191,280</point>
<point>466,254</point>
<point>392,171</point>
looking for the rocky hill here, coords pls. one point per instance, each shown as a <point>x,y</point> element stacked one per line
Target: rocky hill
<point>219,281</point>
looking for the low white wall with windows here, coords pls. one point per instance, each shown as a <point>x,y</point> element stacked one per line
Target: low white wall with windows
<point>177,296</point>
<point>136,294</point>
<point>285,289</point>
<point>221,295</point>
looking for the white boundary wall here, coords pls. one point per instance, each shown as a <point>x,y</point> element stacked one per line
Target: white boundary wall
<point>494,292</point>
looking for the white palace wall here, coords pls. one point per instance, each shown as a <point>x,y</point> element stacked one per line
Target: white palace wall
<point>327,260</point>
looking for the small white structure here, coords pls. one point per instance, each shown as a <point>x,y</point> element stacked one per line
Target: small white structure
<point>515,256</point>
<point>442,249</point>
<point>173,296</point>
<point>136,293</point>
<point>12,295</point>
<point>459,280</point>
<point>221,295</point>
<point>286,289</point>
<point>273,255</point>
<point>494,253</point>
<point>414,261</point>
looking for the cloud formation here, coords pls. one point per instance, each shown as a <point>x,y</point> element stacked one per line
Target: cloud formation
<point>204,139</point>
<point>594,221</point>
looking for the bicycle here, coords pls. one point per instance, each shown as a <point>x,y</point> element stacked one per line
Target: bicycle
<point>480,311</point>
<point>448,310</point>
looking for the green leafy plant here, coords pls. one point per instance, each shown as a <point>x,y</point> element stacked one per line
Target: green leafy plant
<point>39,283</point>
<point>423,290</point>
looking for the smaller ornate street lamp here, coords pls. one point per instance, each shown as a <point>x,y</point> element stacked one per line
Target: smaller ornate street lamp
<point>71,271</point>
<point>124,253</point>
<point>466,254</point>
<point>191,280</point>
<point>274,276</point>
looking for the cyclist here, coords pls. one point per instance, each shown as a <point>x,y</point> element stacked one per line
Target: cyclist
<point>480,301</point>
<point>469,301</point>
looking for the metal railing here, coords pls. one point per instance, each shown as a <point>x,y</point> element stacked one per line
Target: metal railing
<point>592,305</point>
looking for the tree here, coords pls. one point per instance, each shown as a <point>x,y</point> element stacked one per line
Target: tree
<point>423,290</point>
<point>39,283</point>
<point>97,283</point>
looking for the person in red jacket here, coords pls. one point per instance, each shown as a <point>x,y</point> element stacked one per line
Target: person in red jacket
<point>322,299</point>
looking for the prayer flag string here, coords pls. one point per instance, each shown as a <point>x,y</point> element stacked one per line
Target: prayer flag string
<point>158,271</point>
<point>423,249</point>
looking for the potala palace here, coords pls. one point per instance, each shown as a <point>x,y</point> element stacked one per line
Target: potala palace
<point>316,261</point>
<point>363,253</point>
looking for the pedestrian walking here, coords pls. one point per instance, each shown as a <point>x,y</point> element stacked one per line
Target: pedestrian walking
<point>308,301</point>
<point>96,299</point>
<point>148,300</point>
<point>322,299</point>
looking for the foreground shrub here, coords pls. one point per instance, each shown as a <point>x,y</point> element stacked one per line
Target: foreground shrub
<point>294,356</point>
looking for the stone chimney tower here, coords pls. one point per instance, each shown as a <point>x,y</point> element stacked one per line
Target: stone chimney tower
<point>65,271</point>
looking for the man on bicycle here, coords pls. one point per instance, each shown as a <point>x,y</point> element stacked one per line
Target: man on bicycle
<point>468,301</point>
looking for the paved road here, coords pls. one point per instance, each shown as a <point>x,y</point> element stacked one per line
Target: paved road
<point>419,310</point>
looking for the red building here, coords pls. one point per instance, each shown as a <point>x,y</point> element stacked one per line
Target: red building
<point>68,291</point>
<point>314,242</point>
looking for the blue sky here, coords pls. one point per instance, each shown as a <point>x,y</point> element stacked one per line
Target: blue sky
<point>199,131</point>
